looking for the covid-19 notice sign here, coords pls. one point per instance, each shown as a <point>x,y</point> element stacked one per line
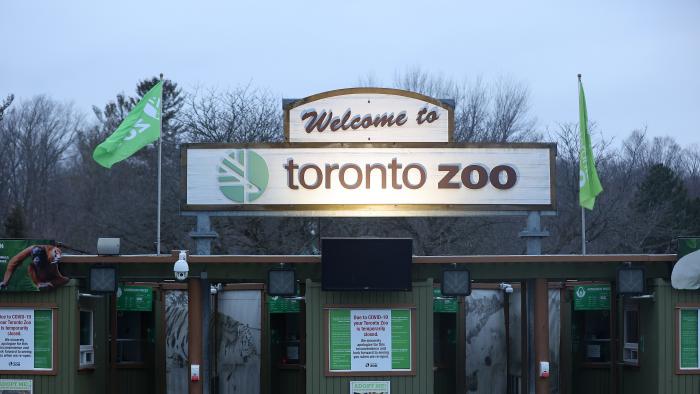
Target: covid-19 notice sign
<point>26,338</point>
<point>367,341</point>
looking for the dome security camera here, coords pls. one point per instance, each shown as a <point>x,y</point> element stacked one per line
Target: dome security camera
<point>181,268</point>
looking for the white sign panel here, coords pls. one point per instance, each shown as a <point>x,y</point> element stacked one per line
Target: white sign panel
<point>16,339</point>
<point>368,115</point>
<point>370,387</point>
<point>15,386</point>
<point>353,180</point>
<point>370,340</point>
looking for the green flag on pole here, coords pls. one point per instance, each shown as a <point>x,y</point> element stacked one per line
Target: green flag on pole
<point>139,128</point>
<point>589,184</point>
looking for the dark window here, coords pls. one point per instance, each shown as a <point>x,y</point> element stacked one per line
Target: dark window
<point>87,350</point>
<point>132,336</point>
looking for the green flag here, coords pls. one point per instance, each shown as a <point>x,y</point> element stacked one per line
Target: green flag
<point>589,184</point>
<point>139,128</point>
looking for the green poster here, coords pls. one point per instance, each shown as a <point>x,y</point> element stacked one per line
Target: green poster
<point>592,298</point>
<point>339,347</point>
<point>282,305</point>
<point>134,298</point>
<point>401,339</point>
<point>17,254</point>
<point>444,304</point>
<point>689,338</point>
<point>43,346</point>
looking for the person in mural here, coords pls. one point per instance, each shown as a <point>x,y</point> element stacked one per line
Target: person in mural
<point>43,268</point>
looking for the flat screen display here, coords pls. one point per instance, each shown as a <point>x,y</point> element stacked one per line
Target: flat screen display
<point>381,264</point>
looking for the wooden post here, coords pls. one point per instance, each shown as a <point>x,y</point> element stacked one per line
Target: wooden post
<point>194,322</point>
<point>541,333</point>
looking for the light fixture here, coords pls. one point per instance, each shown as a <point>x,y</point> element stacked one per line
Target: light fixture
<point>456,282</point>
<point>181,268</point>
<point>103,279</point>
<point>108,246</point>
<point>631,280</point>
<point>281,282</point>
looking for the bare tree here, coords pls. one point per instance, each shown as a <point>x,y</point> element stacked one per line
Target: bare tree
<point>240,115</point>
<point>35,135</point>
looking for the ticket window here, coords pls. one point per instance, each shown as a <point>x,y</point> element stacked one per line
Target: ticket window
<point>287,336</point>
<point>134,337</point>
<point>445,318</point>
<point>592,329</point>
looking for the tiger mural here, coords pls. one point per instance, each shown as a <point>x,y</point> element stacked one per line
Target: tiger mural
<point>177,372</point>
<point>238,339</point>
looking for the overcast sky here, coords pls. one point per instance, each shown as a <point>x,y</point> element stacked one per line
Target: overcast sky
<point>640,59</point>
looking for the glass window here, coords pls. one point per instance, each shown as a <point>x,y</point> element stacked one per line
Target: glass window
<point>630,350</point>
<point>87,349</point>
<point>131,337</point>
<point>594,341</point>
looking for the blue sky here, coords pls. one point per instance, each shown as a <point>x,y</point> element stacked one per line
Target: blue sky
<point>640,60</point>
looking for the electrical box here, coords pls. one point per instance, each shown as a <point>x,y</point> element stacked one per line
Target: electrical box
<point>544,369</point>
<point>194,372</point>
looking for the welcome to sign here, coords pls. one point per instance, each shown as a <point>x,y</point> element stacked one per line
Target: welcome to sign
<point>368,115</point>
<point>347,179</point>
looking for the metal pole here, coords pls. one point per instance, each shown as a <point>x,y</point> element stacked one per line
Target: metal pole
<point>160,154</point>
<point>583,230</point>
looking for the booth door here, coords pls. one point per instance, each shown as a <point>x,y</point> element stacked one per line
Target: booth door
<point>237,329</point>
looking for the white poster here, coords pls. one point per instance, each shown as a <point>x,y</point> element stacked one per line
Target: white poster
<point>370,339</point>
<point>16,339</point>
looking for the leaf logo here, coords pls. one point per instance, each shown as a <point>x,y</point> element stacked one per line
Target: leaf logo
<point>243,176</point>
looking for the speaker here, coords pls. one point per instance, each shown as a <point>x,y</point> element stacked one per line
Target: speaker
<point>631,281</point>
<point>456,282</point>
<point>108,246</point>
<point>281,282</point>
<point>103,279</point>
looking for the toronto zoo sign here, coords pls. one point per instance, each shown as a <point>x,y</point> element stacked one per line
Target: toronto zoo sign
<point>413,175</point>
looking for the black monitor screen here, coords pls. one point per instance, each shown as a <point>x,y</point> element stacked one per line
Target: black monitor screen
<point>382,264</point>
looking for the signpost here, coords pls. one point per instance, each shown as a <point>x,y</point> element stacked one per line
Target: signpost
<point>592,298</point>
<point>362,341</point>
<point>134,298</point>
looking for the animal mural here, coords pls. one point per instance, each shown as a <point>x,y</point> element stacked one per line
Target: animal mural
<point>486,347</point>
<point>486,342</point>
<point>176,341</point>
<point>238,340</point>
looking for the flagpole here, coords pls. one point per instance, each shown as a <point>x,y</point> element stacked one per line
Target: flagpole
<point>160,154</point>
<point>583,210</point>
<point>583,230</point>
